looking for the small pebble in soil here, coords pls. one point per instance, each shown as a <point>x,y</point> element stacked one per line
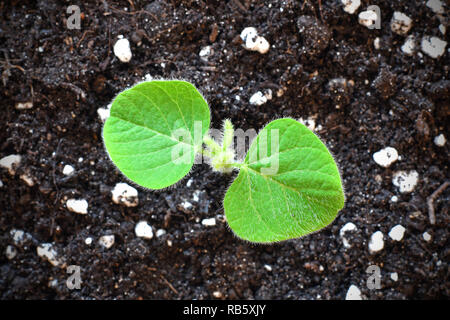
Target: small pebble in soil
<point>436,6</point>
<point>405,181</point>
<point>433,46</point>
<point>376,242</point>
<point>353,293</point>
<point>189,182</point>
<point>160,232</point>
<point>350,6</point>
<point>143,230</point>
<point>349,226</point>
<point>88,241</point>
<point>394,199</point>
<point>10,252</point>
<point>1,183</point>
<point>104,113</point>
<point>254,42</point>
<point>397,232</point>
<point>409,46</point>
<point>368,18</point>
<point>440,140</point>
<point>209,222</point>
<point>394,276</point>
<point>106,241</point>
<point>442,29</point>
<point>122,50</point>
<point>11,162</point>
<point>385,157</point>
<point>46,251</point>
<point>24,105</point>
<point>400,23</point>
<point>217,294</point>
<point>125,194</point>
<point>68,170</point>
<point>426,236</point>
<point>77,206</point>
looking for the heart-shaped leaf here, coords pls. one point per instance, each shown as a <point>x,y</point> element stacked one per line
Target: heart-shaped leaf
<point>154,131</point>
<point>288,186</point>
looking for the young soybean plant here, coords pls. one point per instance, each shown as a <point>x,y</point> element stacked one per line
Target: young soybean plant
<point>288,184</point>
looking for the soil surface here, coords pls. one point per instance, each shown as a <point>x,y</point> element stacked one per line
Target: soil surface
<point>363,92</point>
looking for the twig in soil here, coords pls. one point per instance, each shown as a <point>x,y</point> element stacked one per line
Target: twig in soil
<point>74,88</point>
<point>208,68</point>
<point>320,10</point>
<point>82,37</point>
<point>430,201</point>
<point>7,66</point>
<point>169,284</point>
<point>240,5</point>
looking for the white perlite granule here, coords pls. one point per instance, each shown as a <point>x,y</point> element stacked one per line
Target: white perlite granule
<point>426,236</point>
<point>254,42</point>
<point>350,6</point>
<point>405,181</point>
<point>376,242</point>
<point>46,251</point>
<point>353,293</point>
<point>440,140</point>
<point>394,276</point>
<point>11,162</point>
<point>143,230</point>
<point>104,113</point>
<point>400,23</point>
<point>409,46</point>
<point>106,241</point>
<point>367,18</point>
<point>205,53</point>
<point>209,222</point>
<point>436,6</point>
<point>122,50</point>
<point>260,98</point>
<point>385,157</point>
<point>433,46</point>
<point>68,170</point>
<point>397,232</point>
<point>125,194</point>
<point>10,252</point>
<point>349,226</point>
<point>24,105</point>
<point>77,206</point>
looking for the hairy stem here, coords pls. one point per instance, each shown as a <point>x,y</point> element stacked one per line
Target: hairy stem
<point>221,156</point>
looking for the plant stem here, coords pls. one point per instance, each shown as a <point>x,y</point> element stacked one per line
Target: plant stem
<point>212,145</point>
<point>228,134</point>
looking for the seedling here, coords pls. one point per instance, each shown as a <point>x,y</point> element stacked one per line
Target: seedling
<point>288,183</point>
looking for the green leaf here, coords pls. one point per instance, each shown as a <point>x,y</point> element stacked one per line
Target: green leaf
<point>154,130</point>
<point>288,186</point>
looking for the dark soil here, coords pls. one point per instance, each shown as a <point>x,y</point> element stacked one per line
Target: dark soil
<point>389,99</point>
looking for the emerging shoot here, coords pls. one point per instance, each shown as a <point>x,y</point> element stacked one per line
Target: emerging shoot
<point>288,184</point>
